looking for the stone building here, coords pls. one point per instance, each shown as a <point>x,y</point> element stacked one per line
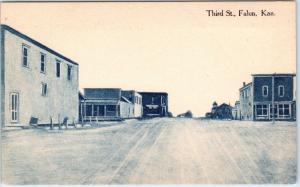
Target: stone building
<point>36,82</point>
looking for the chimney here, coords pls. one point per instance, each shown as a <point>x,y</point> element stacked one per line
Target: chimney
<point>244,83</point>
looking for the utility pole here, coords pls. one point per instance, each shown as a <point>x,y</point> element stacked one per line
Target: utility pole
<point>273,106</point>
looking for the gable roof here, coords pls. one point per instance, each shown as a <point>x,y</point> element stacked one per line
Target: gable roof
<point>246,86</point>
<point>125,99</point>
<point>25,37</point>
<point>224,105</point>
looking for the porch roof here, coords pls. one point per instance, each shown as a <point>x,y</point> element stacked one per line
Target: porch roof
<point>102,101</point>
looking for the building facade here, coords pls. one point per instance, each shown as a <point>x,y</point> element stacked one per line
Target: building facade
<point>99,104</point>
<point>36,82</point>
<point>271,94</point>
<point>155,104</point>
<point>236,111</point>
<point>246,101</point>
<point>136,99</point>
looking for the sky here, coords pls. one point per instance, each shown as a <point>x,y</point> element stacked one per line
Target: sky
<point>168,47</point>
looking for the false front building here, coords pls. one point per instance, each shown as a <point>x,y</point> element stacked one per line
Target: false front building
<point>155,104</point>
<point>36,82</point>
<point>265,92</point>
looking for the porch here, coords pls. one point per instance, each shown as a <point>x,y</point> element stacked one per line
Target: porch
<point>95,111</point>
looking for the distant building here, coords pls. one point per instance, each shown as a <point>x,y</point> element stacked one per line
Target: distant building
<point>236,111</point>
<point>38,85</point>
<point>223,111</point>
<point>110,104</point>
<point>256,98</point>
<point>187,114</point>
<point>155,104</point>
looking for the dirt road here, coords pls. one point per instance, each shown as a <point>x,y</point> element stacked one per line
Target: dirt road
<point>157,151</point>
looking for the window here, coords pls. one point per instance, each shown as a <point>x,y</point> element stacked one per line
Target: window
<point>261,110</point>
<point>281,91</point>
<point>110,108</point>
<point>265,91</point>
<point>57,68</point>
<point>25,56</point>
<point>69,72</point>
<point>163,100</point>
<point>283,110</point>
<point>152,100</point>
<point>88,110</point>
<point>43,59</point>
<point>98,110</point>
<point>44,89</point>
<point>14,107</point>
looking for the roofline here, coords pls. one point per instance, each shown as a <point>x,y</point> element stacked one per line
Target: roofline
<point>274,74</point>
<point>153,93</point>
<point>247,85</point>
<point>25,37</point>
<point>104,88</point>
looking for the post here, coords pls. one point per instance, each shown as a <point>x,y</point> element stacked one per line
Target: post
<point>51,123</point>
<point>67,125</point>
<point>74,123</point>
<point>59,124</point>
<point>273,106</point>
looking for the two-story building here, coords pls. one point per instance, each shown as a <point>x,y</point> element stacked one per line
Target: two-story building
<point>155,104</point>
<point>268,95</point>
<point>246,101</point>
<point>36,82</point>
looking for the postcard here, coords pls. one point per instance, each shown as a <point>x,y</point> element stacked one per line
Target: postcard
<point>97,93</point>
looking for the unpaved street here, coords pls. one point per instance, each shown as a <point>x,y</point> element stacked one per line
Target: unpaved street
<point>157,151</point>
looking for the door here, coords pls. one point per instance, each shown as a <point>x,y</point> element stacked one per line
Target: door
<point>14,107</point>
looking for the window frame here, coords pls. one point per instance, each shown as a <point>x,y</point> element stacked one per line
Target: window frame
<point>43,62</point>
<point>282,108</point>
<point>281,95</point>
<point>58,68</point>
<point>89,110</point>
<point>108,109</point>
<point>69,73</point>
<point>263,89</point>
<point>14,107</point>
<point>262,109</point>
<point>24,46</point>
<point>44,89</point>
